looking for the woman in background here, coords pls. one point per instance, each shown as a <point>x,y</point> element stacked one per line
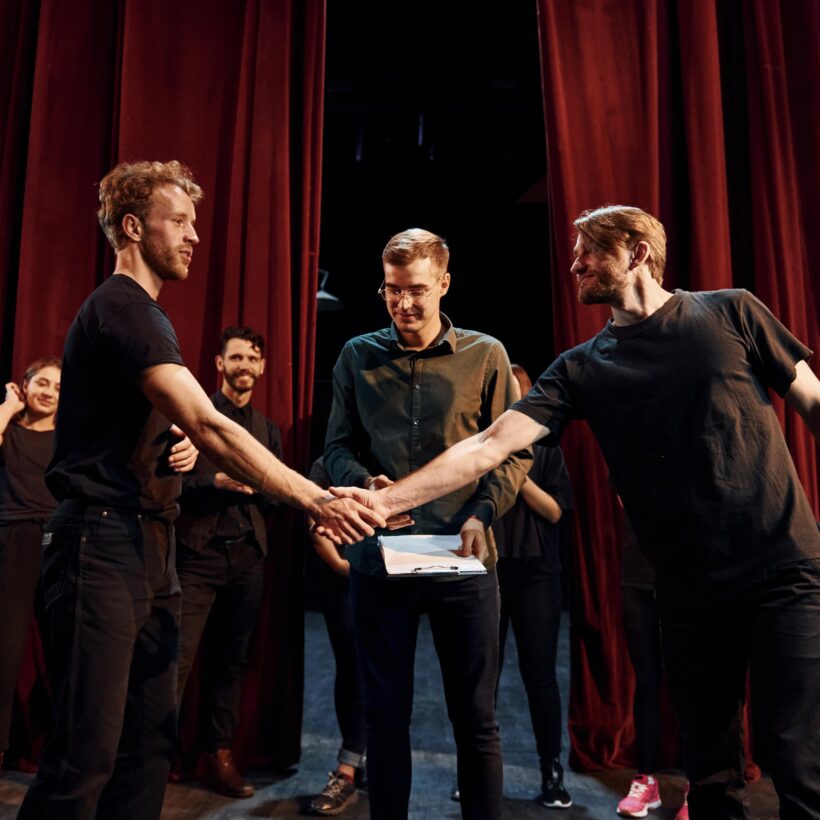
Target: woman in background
<point>26,444</point>
<point>529,578</point>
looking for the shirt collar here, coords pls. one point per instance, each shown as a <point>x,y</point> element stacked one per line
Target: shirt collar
<point>446,337</point>
<point>227,407</point>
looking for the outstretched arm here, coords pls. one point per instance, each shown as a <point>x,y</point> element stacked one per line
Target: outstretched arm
<point>459,465</point>
<point>175,392</point>
<point>804,396</point>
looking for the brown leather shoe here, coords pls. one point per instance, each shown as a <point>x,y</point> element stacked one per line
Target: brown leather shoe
<point>218,772</point>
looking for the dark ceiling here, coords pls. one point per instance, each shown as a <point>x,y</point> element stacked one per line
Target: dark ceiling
<point>434,119</point>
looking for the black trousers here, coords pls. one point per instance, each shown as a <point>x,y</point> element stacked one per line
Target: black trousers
<point>464,621</point>
<point>112,604</point>
<point>20,559</point>
<point>531,601</point>
<point>348,687</point>
<point>223,582</point>
<point>643,639</point>
<point>774,631</point>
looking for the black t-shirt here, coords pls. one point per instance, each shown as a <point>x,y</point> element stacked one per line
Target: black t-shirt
<point>521,532</point>
<point>111,444</point>
<point>24,456</point>
<point>679,405</point>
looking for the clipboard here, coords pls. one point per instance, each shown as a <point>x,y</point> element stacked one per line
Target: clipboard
<point>420,556</point>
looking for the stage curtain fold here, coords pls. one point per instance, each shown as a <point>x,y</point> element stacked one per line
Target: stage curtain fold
<point>640,109</point>
<point>233,90</point>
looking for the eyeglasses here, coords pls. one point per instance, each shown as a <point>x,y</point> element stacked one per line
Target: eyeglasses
<point>416,295</point>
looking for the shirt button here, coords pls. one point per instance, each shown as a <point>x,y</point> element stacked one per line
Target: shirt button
<point>415,422</point>
<point>417,387</point>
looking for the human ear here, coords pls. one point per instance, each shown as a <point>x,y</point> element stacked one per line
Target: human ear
<point>132,227</point>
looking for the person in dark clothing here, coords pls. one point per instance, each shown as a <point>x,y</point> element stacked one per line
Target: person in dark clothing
<point>109,580</point>
<point>402,395</point>
<point>348,690</point>
<point>26,444</point>
<point>675,390</point>
<point>642,628</point>
<point>222,541</point>
<point>529,579</point>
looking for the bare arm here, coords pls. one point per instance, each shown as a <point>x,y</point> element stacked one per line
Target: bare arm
<point>541,502</point>
<point>804,396</point>
<point>459,465</point>
<point>328,551</point>
<point>13,404</point>
<point>175,392</point>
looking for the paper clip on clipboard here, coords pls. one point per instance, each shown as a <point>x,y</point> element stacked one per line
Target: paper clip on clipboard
<point>422,555</point>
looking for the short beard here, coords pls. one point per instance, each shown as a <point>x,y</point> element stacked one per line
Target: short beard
<point>163,261</point>
<point>604,290</point>
<point>232,382</point>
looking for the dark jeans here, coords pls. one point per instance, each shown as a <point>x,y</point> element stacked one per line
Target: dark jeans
<point>464,621</point>
<point>643,639</point>
<point>531,600</point>
<point>348,689</point>
<point>224,581</point>
<point>20,558</point>
<point>775,631</point>
<point>112,604</point>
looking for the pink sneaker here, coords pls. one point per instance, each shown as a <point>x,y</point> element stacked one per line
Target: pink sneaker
<point>643,795</point>
<point>683,811</point>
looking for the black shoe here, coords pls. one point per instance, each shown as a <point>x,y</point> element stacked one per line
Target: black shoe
<point>335,797</point>
<point>553,794</point>
<point>455,794</point>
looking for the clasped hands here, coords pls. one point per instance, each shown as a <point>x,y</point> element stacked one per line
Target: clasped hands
<point>373,506</point>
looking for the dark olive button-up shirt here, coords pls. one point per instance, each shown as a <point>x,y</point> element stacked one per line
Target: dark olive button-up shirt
<point>395,409</point>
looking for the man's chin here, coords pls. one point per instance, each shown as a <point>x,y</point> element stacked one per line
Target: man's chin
<point>588,296</point>
<point>242,387</point>
<point>174,275</point>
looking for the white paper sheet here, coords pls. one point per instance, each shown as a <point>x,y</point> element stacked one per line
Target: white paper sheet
<point>420,555</point>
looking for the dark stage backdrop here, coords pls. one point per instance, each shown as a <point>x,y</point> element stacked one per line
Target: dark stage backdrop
<point>233,88</point>
<point>707,114</point>
<point>703,111</point>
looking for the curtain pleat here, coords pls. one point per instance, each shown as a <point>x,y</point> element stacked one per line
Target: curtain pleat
<point>641,108</point>
<point>232,89</point>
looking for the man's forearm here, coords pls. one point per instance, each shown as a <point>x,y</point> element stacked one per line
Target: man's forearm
<point>463,462</point>
<point>178,395</point>
<point>459,465</point>
<point>804,396</point>
<point>245,459</point>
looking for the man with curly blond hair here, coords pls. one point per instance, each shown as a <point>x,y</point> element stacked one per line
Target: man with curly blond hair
<point>110,587</point>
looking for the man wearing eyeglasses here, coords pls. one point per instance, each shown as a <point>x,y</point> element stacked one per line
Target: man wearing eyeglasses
<point>401,396</point>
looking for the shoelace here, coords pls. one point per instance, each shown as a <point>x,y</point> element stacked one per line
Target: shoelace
<point>335,785</point>
<point>637,789</point>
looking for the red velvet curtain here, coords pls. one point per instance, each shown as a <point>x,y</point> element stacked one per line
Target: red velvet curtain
<point>707,114</point>
<point>235,90</point>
